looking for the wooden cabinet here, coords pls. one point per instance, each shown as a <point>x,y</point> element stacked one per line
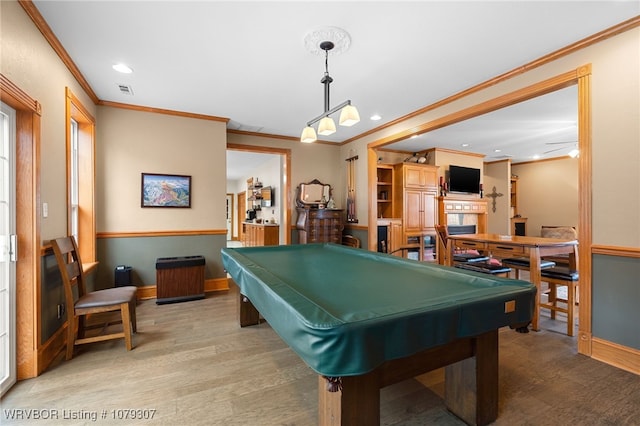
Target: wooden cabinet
<point>419,210</point>
<point>416,203</point>
<point>259,234</point>
<point>391,238</point>
<point>420,176</point>
<point>519,226</point>
<point>320,225</point>
<point>384,191</point>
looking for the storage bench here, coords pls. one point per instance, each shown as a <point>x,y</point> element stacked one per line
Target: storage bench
<point>179,279</point>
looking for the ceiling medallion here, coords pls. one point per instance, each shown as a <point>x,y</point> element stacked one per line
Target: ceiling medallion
<point>339,37</point>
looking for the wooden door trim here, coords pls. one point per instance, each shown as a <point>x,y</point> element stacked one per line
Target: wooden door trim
<point>28,338</point>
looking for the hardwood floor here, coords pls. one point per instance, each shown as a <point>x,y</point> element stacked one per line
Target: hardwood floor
<point>193,365</point>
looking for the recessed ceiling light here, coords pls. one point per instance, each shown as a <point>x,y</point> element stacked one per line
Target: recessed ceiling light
<point>122,68</point>
<point>464,145</point>
<point>375,117</point>
<point>414,136</point>
<point>497,150</point>
<point>536,156</point>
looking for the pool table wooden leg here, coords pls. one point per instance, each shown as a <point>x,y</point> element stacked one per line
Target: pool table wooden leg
<point>247,313</point>
<point>357,403</point>
<point>471,385</point>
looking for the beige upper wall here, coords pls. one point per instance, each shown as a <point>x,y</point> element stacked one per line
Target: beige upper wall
<point>498,175</point>
<point>31,64</point>
<point>130,143</point>
<point>615,96</point>
<point>548,193</point>
<point>28,61</point>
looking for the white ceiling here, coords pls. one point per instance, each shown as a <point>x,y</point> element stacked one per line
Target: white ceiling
<point>247,60</point>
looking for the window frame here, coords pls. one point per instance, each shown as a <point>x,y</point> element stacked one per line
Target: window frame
<point>84,154</point>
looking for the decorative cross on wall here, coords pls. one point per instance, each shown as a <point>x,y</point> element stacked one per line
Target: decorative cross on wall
<point>494,195</point>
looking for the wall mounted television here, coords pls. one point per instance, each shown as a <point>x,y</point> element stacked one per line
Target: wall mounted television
<point>464,179</point>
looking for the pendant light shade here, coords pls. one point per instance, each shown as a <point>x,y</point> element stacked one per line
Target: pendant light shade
<point>349,116</point>
<point>308,135</point>
<point>326,127</point>
<point>348,113</point>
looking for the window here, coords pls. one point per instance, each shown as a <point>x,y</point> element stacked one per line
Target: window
<point>73,180</point>
<point>80,130</point>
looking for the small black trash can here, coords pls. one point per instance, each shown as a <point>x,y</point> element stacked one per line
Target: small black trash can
<point>122,275</point>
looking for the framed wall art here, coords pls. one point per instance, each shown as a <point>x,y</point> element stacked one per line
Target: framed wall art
<point>162,190</point>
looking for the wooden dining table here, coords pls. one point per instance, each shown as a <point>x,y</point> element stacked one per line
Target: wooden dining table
<point>508,246</point>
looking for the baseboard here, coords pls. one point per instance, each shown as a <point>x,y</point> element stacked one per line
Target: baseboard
<point>214,284</point>
<point>51,348</point>
<point>623,357</point>
<point>146,292</point>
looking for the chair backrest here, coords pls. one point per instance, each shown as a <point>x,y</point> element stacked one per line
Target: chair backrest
<point>351,241</point>
<point>562,232</point>
<point>70,265</point>
<point>443,234</point>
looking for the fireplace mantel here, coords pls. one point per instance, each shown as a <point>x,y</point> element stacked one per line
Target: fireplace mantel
<point>453,205</point>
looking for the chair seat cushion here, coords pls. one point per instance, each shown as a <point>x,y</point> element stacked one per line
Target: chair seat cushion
<point>523,262</point>
<point>110,296</point>
<point>484,267</point>
<point>560,273</point>
<point>469,257</point>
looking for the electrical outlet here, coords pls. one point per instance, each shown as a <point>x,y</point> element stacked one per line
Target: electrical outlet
<point>45,209</point>
<point>61,310</point>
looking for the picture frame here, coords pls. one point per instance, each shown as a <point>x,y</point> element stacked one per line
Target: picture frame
<point>165,190</point>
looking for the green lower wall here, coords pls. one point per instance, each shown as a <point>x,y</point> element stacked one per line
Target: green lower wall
<point>52,295</point>
<point>616,300</point>
<point>141,253</point>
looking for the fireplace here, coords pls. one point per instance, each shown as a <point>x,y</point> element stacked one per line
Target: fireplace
<point>461,229</point>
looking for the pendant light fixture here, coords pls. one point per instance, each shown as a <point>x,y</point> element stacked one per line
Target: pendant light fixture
<point>348,113</point>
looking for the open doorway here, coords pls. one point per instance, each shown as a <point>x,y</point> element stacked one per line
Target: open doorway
<point>270,167</point>
<point>580,77</point>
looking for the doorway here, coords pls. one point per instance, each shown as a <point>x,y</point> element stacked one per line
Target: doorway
<point>229,217</point>
<point>239,170</point>
<point>242,207</point>
<point>581,77</point>
<point>7,248</point>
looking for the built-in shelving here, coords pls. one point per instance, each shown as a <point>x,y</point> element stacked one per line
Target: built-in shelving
<point>384,190</point>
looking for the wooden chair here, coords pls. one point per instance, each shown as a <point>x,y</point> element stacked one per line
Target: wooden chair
<point>470,260</point>
<point>461,256</point>
<point>522,264</point>
<point>562,232</point>
<point>561,276</point>
<point>351,241</point>
<point>83,303</point>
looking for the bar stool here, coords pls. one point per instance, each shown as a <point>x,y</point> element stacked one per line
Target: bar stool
<point>561,276</point>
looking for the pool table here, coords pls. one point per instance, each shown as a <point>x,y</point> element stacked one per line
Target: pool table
<point>364,320</point>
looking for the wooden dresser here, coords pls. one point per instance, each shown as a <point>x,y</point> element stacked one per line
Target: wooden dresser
<point>320,225</point>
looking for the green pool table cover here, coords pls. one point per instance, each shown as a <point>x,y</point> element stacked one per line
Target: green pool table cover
<point>345,311</point>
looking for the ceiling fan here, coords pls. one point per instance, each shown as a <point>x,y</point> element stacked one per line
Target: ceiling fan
<point>575,143</point>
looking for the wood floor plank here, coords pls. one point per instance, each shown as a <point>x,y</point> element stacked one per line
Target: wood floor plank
<point>194,365</point>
